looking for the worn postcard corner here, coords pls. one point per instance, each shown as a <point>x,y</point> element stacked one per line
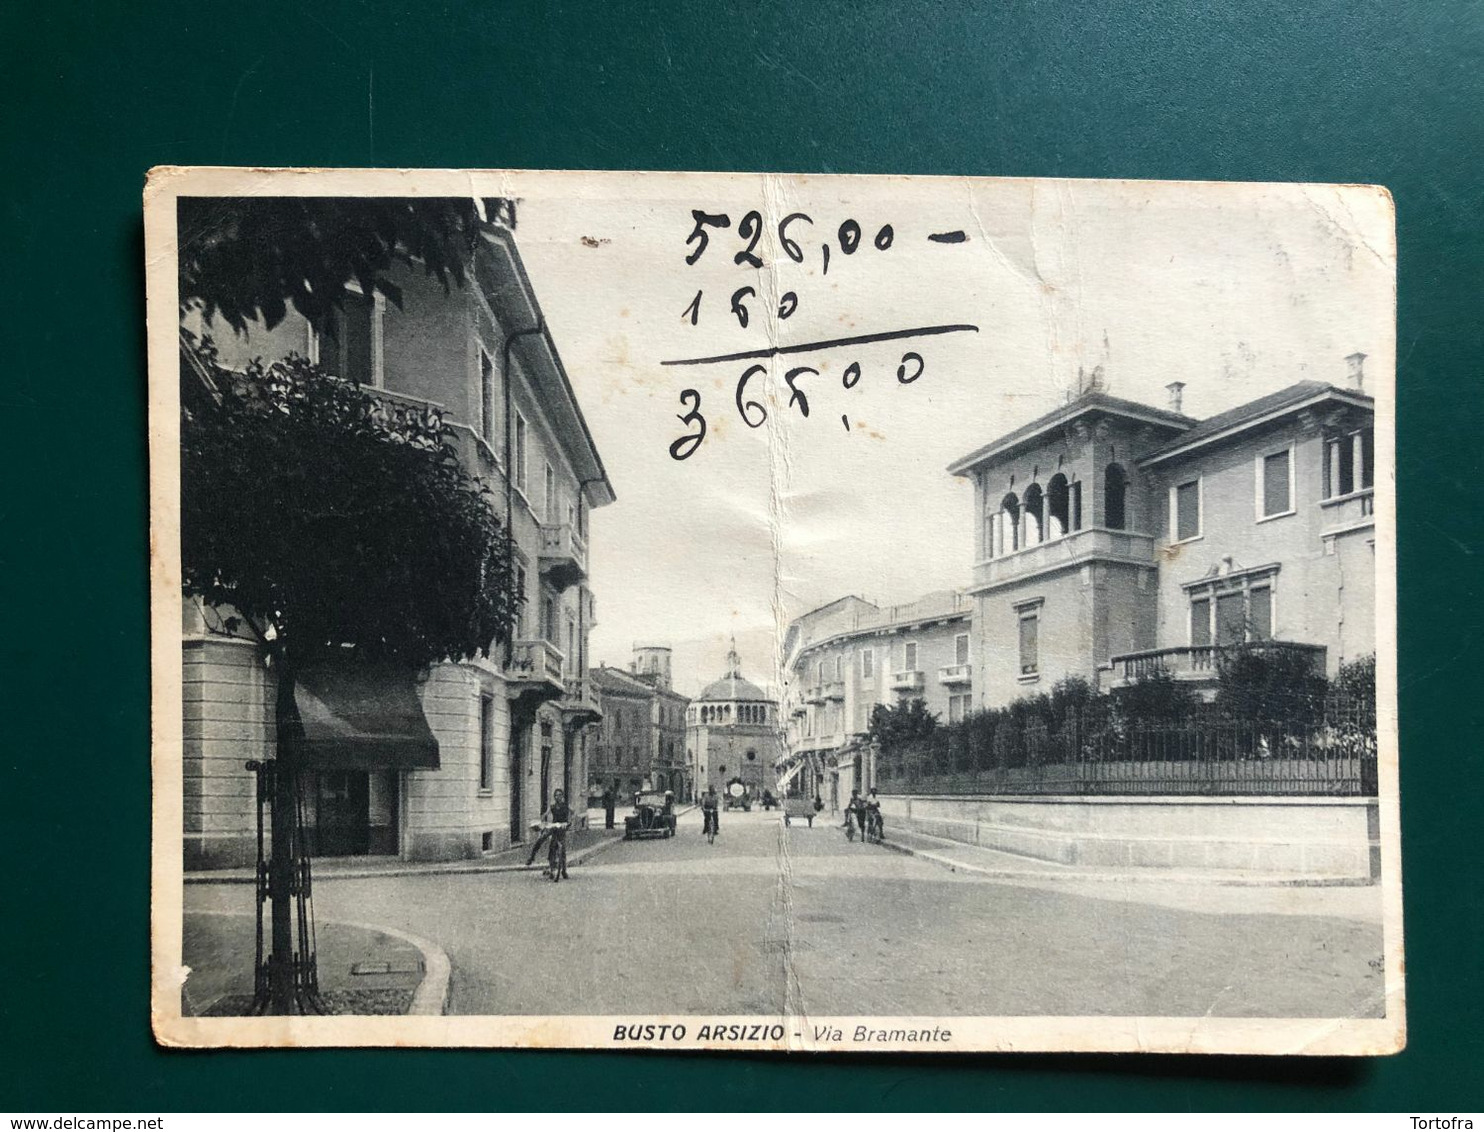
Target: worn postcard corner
<point>772,612</point>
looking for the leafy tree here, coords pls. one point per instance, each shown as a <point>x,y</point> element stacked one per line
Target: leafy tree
<point>1271,685</point>
<point>247,259</point>
<point>327,521</point>
<point>1155,697</point>
<point>892,726</point>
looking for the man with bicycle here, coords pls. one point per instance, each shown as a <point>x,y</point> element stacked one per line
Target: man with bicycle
<point>874,828</point>
<point>710,812</point>
<point>559,814</point>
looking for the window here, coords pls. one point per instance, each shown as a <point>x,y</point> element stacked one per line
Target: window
<point>909,656</point>
<point>819,673</point>
<point>520,601</point>
<point>548,496</point>
<point>961,649</point>
<point>549,620</point>
<point>354,346</point>
<point>1035,525</point>
<point>840,666</point>
<point>1275,484</point>
<point>1232,611</point>
<point>1007,539</point>
<point>519,457</point>
<point>1030,663</point>
<point>1349,463</point>
<point>958,707</point>
<point>1115,498</point>
<point>1200,622</point>
<point>1185,511</point>
<point>868,664</point>
<point>1058,507</point>
<point>486,742</point>
<point>487,398</point>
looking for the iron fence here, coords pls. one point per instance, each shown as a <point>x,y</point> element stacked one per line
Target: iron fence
<point>1329,751</point>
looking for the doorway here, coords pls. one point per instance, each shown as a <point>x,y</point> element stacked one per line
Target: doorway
<point>517,781</point>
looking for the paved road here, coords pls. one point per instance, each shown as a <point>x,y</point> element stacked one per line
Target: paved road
<point>770,920</point>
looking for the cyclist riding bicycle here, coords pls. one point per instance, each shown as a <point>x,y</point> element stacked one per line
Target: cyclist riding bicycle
<point>710,812</point>
<point>559,814</point>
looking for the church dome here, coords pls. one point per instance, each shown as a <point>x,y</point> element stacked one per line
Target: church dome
<point>733,686</point>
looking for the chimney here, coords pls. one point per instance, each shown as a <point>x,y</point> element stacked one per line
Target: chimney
<point>1175,389</point>
<point>1356,362</point>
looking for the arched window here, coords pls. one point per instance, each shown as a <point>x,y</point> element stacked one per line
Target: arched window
<point>1115,498</point>
<point>1058,507</point>
<point>1035,519</point>
<point>1009,538</point>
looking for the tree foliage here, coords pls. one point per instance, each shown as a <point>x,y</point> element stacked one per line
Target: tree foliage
<point>245,259</point>
<point>893,725</point>
<point>328,520</point>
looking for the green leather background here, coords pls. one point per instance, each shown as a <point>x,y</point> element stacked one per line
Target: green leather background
<point>91,95</point>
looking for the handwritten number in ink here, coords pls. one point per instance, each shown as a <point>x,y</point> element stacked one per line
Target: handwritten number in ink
<point>698,233</point>
<point>914,357</point>
<point>851,375</point>
<point>744,406</point>
<point>788,304</point>
<point>791,247</point>
<point>826,249</point>
<point>751,230</point>
<point>884,238</point>
<point>685,446</point>
<point>796,395</point>
<point>694,310</point>
<point>850,237</point>
<point>737,308</point>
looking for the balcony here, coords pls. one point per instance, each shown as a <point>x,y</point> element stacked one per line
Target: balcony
<point>798,711</point>
<point>911,680</point>
<point>1092,543</point>
<point>535,673</point>
<point>563,555</point>
<point>580,703</point>
<point>1343,513</point>
<point>814,695</point>
<point>834,690</point>
<point>1195,664</point>
<point>954,675</point>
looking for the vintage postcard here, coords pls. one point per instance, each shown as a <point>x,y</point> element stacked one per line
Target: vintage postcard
<point>773,612</point>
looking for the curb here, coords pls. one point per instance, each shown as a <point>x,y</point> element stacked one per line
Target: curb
<point>442,868</point>
<point>1149,876</point>
<point>431,996</point>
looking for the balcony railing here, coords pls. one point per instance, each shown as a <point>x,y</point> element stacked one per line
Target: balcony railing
<point>537,660</point>
<point>1079,546</point>
<point>956,674</point>
<point>834,690</point>
<point>910,680</point>
<point>1196,663</point>
<point>1343,512</point>
<point>563,554</point>
<point>581,695</point>
<point>814,695</point>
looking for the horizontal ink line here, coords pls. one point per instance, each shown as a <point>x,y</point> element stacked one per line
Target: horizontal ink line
<point>957,237</point>
<point>810,347</point>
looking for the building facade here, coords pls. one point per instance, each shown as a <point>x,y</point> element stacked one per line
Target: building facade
<point>505,731</point>
<point>845,658</point>
<point>1116,539</point>
<point>733,733</point>
<point>641,742</point>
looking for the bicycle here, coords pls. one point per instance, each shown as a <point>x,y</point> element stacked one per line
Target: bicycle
<point>709,817</point>
<point>874,828</point>
<point>556,852</point>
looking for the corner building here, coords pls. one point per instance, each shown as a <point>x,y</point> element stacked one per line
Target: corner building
<point>481,745</point>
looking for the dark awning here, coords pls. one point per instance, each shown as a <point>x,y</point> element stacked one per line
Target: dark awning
<point>363,717</point>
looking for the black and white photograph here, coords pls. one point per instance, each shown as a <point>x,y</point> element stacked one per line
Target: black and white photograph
<point>773,612</point>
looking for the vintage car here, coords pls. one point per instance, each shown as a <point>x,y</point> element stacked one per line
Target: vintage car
<point>653,816</point>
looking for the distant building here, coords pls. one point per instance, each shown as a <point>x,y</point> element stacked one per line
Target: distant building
<point>845,658</point>
<point>733,733</point>
<point>482,744</point>
<point>1116,539</point>
<point>641,743</point>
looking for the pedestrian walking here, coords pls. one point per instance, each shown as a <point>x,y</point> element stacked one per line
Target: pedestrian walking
<point>609,801</point>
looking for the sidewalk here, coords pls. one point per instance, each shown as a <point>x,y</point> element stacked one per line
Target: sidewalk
<point>1011,866</point>
<point>581,844</point>
<point>362,969</point>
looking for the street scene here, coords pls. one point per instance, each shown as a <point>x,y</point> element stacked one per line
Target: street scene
<point>798,921</point>
<point>555,642</point>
